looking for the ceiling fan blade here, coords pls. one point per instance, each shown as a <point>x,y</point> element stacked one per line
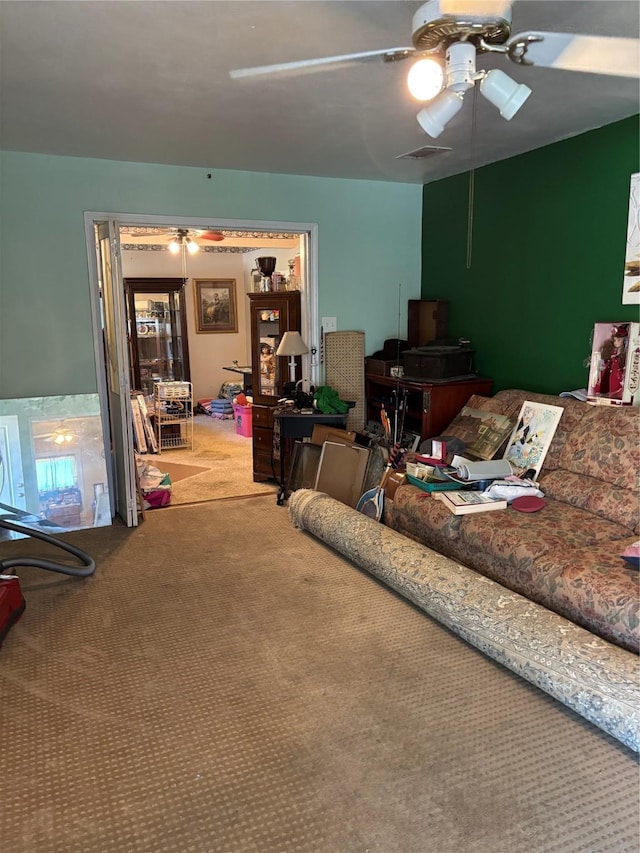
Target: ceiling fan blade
<point>216,236</point>
<point>619,57</point>
<point>308,65</point>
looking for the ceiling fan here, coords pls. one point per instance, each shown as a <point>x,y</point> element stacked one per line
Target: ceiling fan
<point>446,37</point>
<point>62,434</point>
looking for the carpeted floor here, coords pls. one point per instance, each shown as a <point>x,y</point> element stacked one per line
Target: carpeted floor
<point>228,684</point>
<point>226,460</point>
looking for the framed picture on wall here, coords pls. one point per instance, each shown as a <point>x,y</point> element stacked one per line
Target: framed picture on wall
<point>215,304</point>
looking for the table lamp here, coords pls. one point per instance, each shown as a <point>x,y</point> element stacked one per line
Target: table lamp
<point>292,345</point>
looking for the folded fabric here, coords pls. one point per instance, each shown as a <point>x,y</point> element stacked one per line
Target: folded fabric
<point>328,401</point>
<point>510,490</point>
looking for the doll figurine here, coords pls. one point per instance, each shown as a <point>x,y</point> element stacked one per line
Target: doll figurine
<point>267,362</point>
<point>613,356</point>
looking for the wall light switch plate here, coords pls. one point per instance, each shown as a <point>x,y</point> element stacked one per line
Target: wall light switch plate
<point>329,324</point>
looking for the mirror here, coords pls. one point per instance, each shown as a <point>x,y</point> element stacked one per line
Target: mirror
<point>269,338</point>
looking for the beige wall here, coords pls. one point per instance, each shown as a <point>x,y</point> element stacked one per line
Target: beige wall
<point>208,352</point>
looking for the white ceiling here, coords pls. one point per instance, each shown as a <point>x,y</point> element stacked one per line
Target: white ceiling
<point>148,82</point>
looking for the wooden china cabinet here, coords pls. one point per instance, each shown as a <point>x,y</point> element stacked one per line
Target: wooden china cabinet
<point>271,315</point>
<point>157,328</point>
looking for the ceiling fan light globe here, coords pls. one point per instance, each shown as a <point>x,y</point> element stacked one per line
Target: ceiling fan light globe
<point>504,93</point>
<point>192,247</point>
<point>425,79</point>
<point>174,247</point>
<point>434,118</point>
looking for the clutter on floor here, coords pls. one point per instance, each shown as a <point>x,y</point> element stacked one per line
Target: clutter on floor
<point>155,486</point>
<point>220,408</point>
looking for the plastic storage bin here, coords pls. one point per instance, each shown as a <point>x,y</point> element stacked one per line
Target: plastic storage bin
<point>243,418</point>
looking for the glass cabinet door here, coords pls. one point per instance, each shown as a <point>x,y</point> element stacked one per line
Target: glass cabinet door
<point>269,340</point>
<point>157,332</point>
<point>272,314</point>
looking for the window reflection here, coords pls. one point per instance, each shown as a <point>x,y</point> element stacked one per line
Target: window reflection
<point>52,463</point>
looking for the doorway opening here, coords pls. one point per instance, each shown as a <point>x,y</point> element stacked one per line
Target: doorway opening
<point>141,248</point>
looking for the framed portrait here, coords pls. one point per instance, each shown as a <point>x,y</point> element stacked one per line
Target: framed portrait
<point>215,304</point>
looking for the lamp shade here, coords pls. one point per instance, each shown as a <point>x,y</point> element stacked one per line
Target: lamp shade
<point>292,344</point>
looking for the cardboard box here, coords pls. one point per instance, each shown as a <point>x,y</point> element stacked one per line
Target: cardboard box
<point>341,472</point>
<point>380,363</point>
<point>614,374</point>
<point>380,367</point>
<point>322,433</point>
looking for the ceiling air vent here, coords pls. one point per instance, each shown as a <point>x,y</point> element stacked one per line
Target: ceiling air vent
<point>422,153</point>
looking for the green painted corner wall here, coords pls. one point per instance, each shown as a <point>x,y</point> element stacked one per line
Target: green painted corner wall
<point>369,239</point>
<point>547,256</point>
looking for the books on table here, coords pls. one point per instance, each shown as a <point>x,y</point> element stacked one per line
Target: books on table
<point>463,502</point>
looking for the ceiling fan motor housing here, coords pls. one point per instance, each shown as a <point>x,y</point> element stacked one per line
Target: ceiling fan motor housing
<point>461,66</point>
<point>439,23</point>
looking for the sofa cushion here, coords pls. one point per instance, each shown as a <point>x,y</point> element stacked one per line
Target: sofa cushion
<point>419,516</point>
<point>605,500</point>
<point>504,545</point>
<point>593,587</point>
<point>556,525</point>
<point>605,445</point>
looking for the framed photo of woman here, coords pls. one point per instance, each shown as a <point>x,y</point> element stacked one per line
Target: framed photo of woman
<point>215,303</point>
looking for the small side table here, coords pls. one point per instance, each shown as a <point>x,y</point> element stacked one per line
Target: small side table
<point>246,376</point>
<point>296,425</point>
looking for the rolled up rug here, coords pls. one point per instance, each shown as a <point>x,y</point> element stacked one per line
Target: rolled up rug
<point>598,680</point>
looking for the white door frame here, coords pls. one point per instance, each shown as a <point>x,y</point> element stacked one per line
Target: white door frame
<point>309,282</point>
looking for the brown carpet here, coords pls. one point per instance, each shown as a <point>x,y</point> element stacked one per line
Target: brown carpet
<point>228,684</point>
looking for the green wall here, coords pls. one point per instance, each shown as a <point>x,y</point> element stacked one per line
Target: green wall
<point>548,256</point>
<point>368,241</point>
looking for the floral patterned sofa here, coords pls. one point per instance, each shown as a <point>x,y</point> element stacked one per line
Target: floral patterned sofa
<point>566,556</point>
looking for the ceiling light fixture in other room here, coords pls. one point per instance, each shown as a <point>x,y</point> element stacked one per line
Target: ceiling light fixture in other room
<point>182,241</point>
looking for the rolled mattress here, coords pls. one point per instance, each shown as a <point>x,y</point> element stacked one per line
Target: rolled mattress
<point>597,679</point>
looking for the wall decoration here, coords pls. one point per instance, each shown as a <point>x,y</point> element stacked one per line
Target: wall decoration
<point>631,285</point>
<point>215,305</point>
